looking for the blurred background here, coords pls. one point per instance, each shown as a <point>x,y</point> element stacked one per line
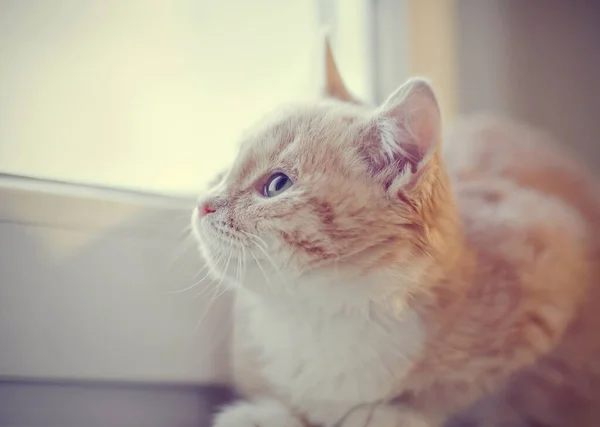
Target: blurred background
<point>115,113</point>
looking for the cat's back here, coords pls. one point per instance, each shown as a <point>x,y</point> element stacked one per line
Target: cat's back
<point>512,183</point>
<point>488,149</point>
<point>523,199</point>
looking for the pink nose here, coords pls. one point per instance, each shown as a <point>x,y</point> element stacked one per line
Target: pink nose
<point>205,208</point>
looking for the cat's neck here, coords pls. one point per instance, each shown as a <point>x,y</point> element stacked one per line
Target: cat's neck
<point>450,261</point>
<point>388,290</point>
<point>450,281</point>
<point>374,280</point>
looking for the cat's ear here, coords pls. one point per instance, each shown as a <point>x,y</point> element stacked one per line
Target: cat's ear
<point>334,85</point>
<point>405,131</point>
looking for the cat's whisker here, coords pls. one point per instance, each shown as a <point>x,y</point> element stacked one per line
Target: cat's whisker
<point>257,239</point>
<point>238,271</point>
<point>213,289</point>
<point>222,289</point>
<point>201,270</point>
<point>215,294</point>
<point>257,242</point>
<point>218,291</point>
<point>208,285</point>
<point>268,257</point>
<point>187,229</point>
<point>241,255</point>
<point>198,283</point>
<point>244,263</point>
<point>203,316</point>
<point>263,271</point>
<point>183,248</point>
<point>261,240</point>
<point>222,261</point>
<point>206,288</point>
<point>222,276</point>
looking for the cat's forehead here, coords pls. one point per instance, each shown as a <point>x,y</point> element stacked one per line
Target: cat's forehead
<point>296,134</point>
<point>297,128</point>
<point>314,120</point>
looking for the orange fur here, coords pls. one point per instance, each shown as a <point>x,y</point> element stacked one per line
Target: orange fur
<point>555,312</point>
<point>491,239</point>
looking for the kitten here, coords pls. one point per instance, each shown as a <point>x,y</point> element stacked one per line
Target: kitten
<point>383,279</point>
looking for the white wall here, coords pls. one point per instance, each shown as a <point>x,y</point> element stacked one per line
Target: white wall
<point>537,62</point>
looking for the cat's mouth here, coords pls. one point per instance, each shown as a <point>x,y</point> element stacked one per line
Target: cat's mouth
<point>234,253</point>
<point>213,233</point>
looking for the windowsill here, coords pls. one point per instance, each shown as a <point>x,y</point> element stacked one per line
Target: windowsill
<point>117,405</point>
<point>86,207</point>
<point>85,282</point>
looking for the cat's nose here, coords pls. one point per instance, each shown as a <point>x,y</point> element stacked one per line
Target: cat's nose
<point>206,207</point>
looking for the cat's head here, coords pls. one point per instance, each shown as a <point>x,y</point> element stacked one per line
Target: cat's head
<point>329,191</point>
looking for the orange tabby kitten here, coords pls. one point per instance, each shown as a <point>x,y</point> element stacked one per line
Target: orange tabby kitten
<point>385,279</point>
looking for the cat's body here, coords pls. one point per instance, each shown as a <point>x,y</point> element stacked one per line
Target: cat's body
<point>390,270</point>
<point>562,388</point>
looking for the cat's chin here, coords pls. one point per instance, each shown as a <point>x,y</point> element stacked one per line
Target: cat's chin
<point>237,269</point>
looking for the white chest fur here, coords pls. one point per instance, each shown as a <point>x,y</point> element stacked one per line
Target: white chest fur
<point>322,359</point>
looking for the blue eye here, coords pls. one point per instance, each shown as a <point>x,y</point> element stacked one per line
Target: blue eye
<point>276,184</point>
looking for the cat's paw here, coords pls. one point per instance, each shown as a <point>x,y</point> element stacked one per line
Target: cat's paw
<point>264,413</point>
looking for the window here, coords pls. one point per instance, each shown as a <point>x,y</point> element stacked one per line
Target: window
<point>143,95</point>
<point>153,95</point>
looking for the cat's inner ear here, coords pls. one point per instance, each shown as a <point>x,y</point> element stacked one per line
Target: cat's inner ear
<point>406,130</point>
<point>334,85</point>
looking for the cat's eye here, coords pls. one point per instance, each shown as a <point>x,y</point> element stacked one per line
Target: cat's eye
<point>276,184</point>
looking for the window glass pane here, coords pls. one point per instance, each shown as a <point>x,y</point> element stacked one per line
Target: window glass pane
<point>144,94</point>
